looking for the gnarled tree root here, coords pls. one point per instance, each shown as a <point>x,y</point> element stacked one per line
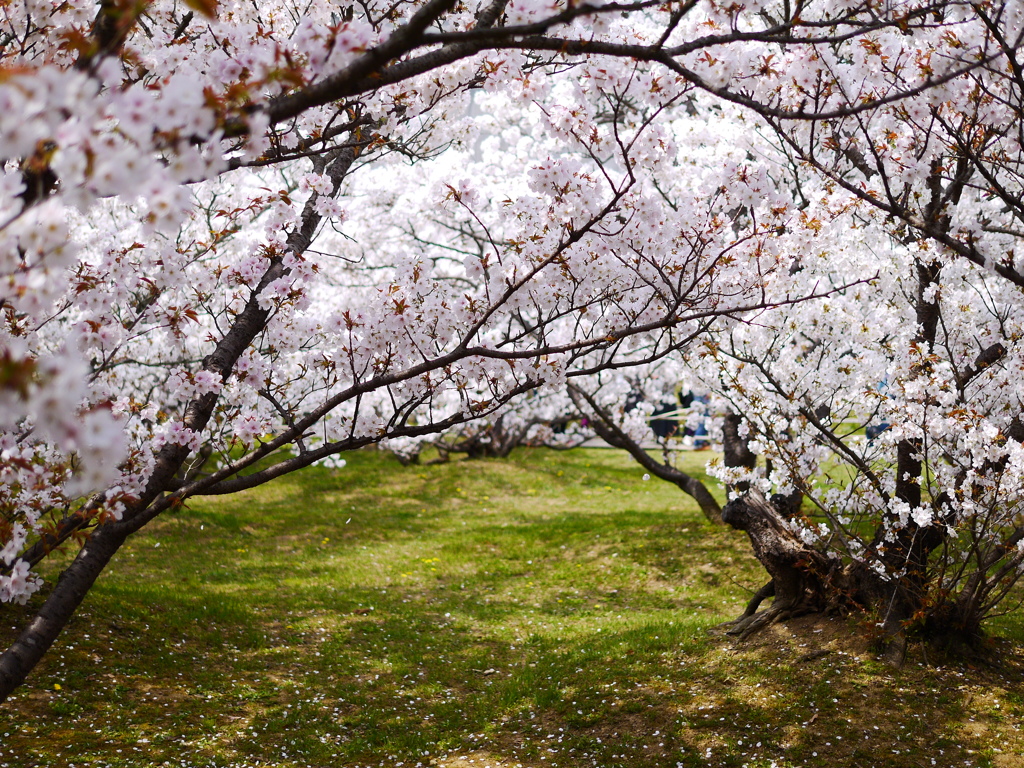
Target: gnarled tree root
<point>780,610</point>
<point>805,581</point>
<point>800,576</point>
<point>738,625</point>
<point>744,627</point>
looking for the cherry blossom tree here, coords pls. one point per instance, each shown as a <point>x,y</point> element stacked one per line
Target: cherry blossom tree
<point>889,409</point>
<point>234,233</point>
<point>923,519</point>
<point>892,412</point>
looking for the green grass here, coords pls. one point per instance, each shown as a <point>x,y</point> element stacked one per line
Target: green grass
<point>547,610</point>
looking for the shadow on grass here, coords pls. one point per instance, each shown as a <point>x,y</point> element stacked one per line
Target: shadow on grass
<point>457,616</point>
<point>657,694</point>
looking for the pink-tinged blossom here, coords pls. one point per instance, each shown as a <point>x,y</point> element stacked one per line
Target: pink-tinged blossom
<point>250,428</point>
<point>176,433</point>
<point>13,545</point>
<point>329,208</point>
<point>19,585</point>
<point>206,382</point>
<point>315,182</point>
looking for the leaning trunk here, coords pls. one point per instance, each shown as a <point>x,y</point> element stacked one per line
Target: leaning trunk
<point>803,580</point>
<point>71,589</point>
<point>736,449</point>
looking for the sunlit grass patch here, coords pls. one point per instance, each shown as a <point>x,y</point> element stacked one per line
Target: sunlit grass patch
<point>446,615</point>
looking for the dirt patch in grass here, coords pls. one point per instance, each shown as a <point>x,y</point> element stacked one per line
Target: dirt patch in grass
<point>805,639</point>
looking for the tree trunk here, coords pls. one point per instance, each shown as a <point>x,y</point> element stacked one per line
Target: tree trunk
<point>67,595</point>
<point>799,574</point>
<point>735,449</point>
<point>803,580</point>
<point>908,553</point>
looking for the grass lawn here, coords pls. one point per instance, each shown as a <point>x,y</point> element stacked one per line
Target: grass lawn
<point>552,609</point>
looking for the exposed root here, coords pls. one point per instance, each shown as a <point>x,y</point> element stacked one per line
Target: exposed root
<point>768,590</point>
<point>894,652</point>
<point>751,621</point>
